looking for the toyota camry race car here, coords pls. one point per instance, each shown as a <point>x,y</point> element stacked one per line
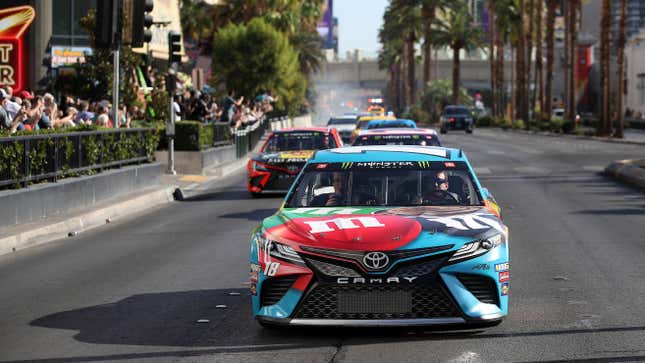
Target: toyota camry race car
<point>283,154</point>
<point>382,236</point>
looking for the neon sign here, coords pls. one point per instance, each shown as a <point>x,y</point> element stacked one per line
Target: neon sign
<point>13,24</point>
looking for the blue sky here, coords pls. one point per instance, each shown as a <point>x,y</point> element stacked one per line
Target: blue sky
<point>358,24</point>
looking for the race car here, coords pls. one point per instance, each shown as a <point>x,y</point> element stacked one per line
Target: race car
<point>424,137</point>
<point>344,124</point>
<point>282,156</point>
<point>362,121</point>
<point>391,124</point>
<point>382,236</point>
<point>456,118</point>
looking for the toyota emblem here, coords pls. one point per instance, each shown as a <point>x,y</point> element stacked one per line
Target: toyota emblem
<point>375,260</point>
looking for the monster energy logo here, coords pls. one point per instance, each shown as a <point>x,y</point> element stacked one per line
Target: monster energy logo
<point>424,164</point>
<point>346,165</point>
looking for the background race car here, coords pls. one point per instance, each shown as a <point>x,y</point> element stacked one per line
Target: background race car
<point>282,156</point>
<point>423,137</point>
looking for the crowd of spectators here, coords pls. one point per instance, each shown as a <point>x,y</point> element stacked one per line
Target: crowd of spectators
<point>27,111</point>
<point>236,112</point>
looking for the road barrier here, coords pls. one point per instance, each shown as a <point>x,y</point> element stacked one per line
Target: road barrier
<point>49,156</point>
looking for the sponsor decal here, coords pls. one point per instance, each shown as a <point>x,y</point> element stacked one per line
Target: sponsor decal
<point>504,276</point>
<point>254,272</point>
<point>482,267</point>
<point>501,267</point>
<point>385,164</point>
<point>321,166</point>
<point>338,224</point>
<point>424,164</point>
<point>286,160</point>
<point>346,165</point>
<point>505,287</point>
<point>449,164</point>
<point>254,289</point>
<point>271,268</point>
<point>375,260</point>
<point>363,280</point>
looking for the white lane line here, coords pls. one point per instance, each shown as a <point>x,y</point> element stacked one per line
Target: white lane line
<point>495,152</point>
<point>594,168</point>
<point>482,171</point>
<point>530,170</point>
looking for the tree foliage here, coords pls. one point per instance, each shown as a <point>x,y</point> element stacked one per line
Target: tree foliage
<point>255,57</point>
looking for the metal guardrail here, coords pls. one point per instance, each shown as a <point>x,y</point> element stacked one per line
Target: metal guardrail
<point>247,138</point>
<point>26,159</point>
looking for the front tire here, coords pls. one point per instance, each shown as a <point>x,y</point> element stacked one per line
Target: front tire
<point>443,130</point>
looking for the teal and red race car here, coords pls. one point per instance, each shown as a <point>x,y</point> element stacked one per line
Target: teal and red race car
<point>383,236</point>
<point>283,154</point>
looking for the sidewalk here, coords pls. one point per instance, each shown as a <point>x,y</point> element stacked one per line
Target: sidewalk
<point>171,188</point>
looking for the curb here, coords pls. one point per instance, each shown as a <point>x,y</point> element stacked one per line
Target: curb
<point>73,225</point>
<point>214,174</point>
<point>582,137</point>
<point>629,171</point>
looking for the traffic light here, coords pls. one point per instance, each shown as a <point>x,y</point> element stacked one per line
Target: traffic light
<point>174,47</point>
<point>141,22</point>
<point>104,31</point>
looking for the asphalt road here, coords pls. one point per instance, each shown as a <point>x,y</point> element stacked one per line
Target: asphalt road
<point>134,290</point>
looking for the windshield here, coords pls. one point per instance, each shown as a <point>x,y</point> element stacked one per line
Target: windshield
<point>424,140</point>
<point>381,183</point>
<point>342,121</point>
<point>362,124</point>
<point>290,141</point>
<point>456,111</point>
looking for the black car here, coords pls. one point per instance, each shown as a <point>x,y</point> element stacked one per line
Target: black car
<point>456,118</point>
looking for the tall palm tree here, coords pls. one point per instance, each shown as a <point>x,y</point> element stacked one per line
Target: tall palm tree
<point>604,126</point>
<point>550,56</point>
<point>457,32</point>
<point>620,73</point>
<point>428,14</point>
<point>492,38</point>
<point>538,79</point>
<point>521,99</point>
<point>391,57</point>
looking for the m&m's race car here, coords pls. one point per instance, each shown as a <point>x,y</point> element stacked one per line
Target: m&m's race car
<point>383,236</point>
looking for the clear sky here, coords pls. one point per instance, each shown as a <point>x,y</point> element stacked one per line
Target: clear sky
<point>358,24</point>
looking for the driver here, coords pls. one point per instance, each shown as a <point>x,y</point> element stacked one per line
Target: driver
<point>336,198</point>
<point>437,192</point>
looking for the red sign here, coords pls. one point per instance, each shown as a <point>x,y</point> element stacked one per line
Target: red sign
<point>13,24</point>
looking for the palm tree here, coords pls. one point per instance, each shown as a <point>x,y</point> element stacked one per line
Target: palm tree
<point>428,13</point>
<point>538,79</point>
<point>492,34</point>
<point>620,73</point>
<point>605,48</point>
<point>391,57</point>
<point>310,55</point>
<point>550,55</point>
<point>520,62</point>
<point>457,32</point>
<point>406,16</point>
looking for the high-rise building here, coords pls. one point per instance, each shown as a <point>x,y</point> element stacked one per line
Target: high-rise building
<point>635,17</point>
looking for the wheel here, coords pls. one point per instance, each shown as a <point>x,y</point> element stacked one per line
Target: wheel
<point>256,195</point>
<point>469,130</point>
<point>443,130</point>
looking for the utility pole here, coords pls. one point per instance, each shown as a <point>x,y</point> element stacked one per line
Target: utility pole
<point>117,45</point>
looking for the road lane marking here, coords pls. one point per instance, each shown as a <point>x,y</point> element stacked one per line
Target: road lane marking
<point>482,171</point>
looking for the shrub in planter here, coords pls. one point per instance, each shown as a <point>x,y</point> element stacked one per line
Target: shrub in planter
<point>193,136</point>
<point>518,125</point>
<point>556,124</point>
<point>485,121</point>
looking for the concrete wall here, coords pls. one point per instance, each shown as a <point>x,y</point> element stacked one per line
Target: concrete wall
<point>634,56</point>
<point>195,162</point>
<point>42,201</point>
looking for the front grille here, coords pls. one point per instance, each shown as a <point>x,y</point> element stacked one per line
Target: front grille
<point>273,289</point>
<point>279,181</point>
<point>332,270</point>
<point>482,287</point>
<point>376,302</point>
<point>422,268</point>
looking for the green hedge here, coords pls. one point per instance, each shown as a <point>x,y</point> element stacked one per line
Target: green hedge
<point>193,136</point>
<point>114,148</point>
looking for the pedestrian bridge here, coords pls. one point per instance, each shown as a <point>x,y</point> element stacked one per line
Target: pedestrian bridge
<point>475,74</point>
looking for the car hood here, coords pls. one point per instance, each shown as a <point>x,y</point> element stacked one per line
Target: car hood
<point>365,229</point>
<point>284,157</point>
<point>344,128</point>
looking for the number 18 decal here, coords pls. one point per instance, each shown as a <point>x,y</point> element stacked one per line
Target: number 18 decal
<point>271,268</point>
